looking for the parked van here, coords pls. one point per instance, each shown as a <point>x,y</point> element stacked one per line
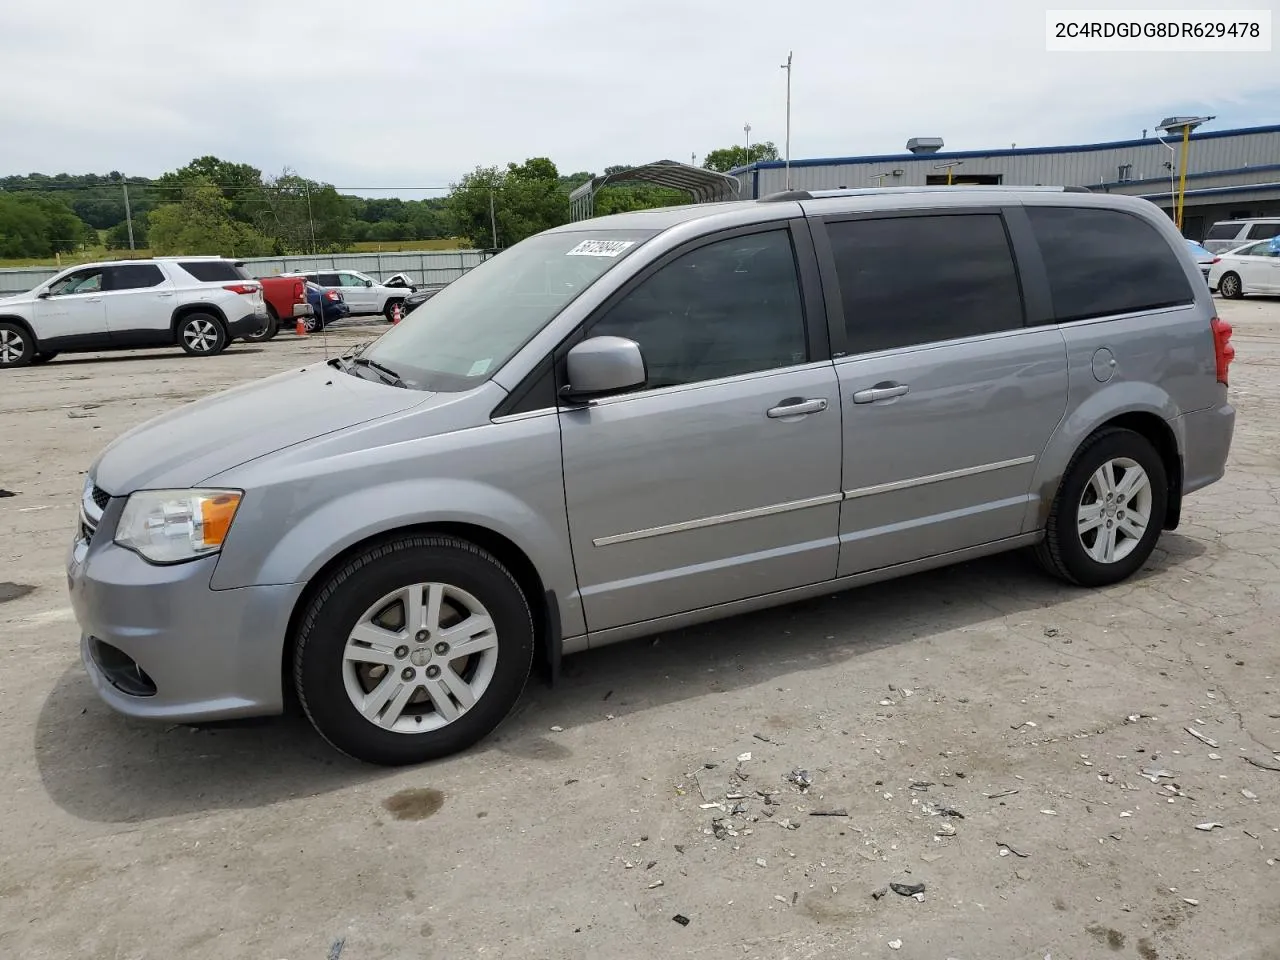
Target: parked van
<point>1229,234</point>
<point>648,420</point>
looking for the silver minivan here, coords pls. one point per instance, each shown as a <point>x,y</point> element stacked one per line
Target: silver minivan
<point>643,421</point>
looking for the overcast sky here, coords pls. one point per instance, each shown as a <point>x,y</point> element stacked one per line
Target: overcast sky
<point>396,93</point>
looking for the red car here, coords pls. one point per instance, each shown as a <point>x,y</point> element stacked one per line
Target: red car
<point>286,299</point>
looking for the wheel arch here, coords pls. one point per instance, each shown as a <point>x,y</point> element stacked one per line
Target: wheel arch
<point>1142,408</point>
<point>184,311</point>
<point>542,604</point>
<point>24,323</point>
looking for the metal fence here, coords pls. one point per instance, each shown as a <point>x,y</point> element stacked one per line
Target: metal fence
<point>426,267</point>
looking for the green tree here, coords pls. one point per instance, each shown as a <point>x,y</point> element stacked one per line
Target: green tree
<point>239,183</point>
<point>118,236</point>
<point>526,199</point>
<point>727,158</point>
<point>303,216</point>
<point>201,223</point>
<point>24,228</point>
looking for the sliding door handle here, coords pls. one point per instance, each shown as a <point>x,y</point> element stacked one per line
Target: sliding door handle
<point>885,391</point>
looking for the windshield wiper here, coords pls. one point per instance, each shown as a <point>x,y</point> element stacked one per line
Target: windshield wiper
<point>387,375</point>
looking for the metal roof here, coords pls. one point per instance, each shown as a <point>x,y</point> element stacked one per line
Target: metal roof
<point>1007,152</point>
<point>704,186</point>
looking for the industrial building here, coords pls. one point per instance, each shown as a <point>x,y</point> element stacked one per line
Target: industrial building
<point>1230,174</point>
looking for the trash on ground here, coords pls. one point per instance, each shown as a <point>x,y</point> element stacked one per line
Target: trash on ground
<point>877,894</point>
<point>1004,846</point>
<point>907,889</point>
<point>1260,765</point>
<point>762,738</point>
<point>656,884</point>
<point>1207,826</point>
<point>335,949</point>
<point>801,779</point>
<point>1248,795</point>
<point>1024,723</point>
<point>744,757</point>
<point>895,944</point>
<point>837,812</point>
<point>921,786</point>
<point>761,862</point>
<point>941,811</point>
<point>1155,773</point>
<point>945,830</point>
<point>557,729</point>
<point>1201,737</point>
<point>779,898</point>
<point>681,919</point>
<point>1190,900</point>
<point>1050,813</point>
<point>1002,793</point>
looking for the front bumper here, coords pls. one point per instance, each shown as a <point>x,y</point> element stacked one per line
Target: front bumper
<point>158,643</point>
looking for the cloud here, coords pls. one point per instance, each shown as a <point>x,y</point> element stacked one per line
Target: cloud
<point>388,93</point>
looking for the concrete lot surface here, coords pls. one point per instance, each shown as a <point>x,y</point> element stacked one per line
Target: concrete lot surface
<point>984,728</point>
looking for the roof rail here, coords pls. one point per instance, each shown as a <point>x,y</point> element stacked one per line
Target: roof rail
<point>874,191</point>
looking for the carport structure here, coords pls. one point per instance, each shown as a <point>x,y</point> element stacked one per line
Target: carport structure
<point>703,186</point>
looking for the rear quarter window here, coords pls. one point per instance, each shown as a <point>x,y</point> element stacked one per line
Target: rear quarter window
<point>1223,231</point>
<point>1104,262</point>
<point>1264,231</point>
<point>214,271</point>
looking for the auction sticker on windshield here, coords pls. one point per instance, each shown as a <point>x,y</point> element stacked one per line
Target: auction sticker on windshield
<point>600,248</point>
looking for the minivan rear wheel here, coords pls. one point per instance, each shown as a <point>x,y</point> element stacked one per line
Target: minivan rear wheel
<point>1230,286</point>
<point>414,649</point>
<point>1109,510</point>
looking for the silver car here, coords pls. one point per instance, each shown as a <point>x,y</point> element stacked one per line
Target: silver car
<point>643,421</point>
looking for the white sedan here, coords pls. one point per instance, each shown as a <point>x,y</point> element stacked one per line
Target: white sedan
<point>1253,268</point>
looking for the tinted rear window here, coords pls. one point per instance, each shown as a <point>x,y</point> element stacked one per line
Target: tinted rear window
<point>913,280</point>
<point>133,276</point>
<point>214,271</point>
<point>1264,231</point>
<point>1103,262</point>
<point>1223,231</point>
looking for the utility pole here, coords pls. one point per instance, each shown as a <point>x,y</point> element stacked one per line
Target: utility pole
<point>746,128</point>
<point>787,67</point>
<point>128,214</point>
<point>310,219</point>
<point>493,220</point>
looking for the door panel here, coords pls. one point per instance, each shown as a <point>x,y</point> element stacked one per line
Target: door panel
<point>359,297</point>
<point>140,301</point>
<point>949,464</point>
<point>74,312</point>
<point>693,496</point>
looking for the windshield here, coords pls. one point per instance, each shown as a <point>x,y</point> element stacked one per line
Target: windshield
<point>466,332</point>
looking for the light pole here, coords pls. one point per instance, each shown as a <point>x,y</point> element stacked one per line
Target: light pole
<point>787,67</point>
<point>1184,125</point>
<point>879,178</point>
<point>746,127</point>
<point>949,166</point>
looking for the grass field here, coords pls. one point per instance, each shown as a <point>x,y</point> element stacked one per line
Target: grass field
<point>101,253</point>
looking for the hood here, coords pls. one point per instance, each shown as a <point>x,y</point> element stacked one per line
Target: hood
<point>183,448</point>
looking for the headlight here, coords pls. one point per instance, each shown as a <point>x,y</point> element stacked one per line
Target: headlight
<point>169,526</point>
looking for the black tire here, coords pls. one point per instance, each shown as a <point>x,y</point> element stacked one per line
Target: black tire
<point>347,595</point>
<point>313,324</point>
<point>202,335</point>
<point>389,306</point>
<point>1063,552</point>
<point>269,330</point>
<point>17,346</point>
<point>45,357</point>
<point>1230,285</point>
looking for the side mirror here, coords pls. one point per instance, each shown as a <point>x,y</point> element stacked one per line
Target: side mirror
<point>368,283</point>
<point>599,366</point>
<point>42,295</point>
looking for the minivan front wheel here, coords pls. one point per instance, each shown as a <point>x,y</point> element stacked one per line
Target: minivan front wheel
<point>1109,510</point>
<point>414,649</point>
<point>1230,286</point>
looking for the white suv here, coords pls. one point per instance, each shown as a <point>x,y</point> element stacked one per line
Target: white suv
<point>198,303</point>
<point>363,294</point>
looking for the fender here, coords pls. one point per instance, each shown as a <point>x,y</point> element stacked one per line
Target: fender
<point>1108,403</point>
<point>197,307</point>
<point>320,535</point>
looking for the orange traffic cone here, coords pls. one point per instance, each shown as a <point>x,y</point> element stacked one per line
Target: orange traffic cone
<point>397,311</point>
<point>300,327</point>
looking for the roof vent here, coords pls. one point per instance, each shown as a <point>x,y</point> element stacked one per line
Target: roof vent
<point>919,145</point>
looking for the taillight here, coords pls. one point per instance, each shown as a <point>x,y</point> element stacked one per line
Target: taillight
<point>332,295</point>
<point>1223,351</point>
<point>298,293</point>
<point>242,288</point>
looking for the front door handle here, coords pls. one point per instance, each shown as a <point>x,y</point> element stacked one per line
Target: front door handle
<point>94,300</point>
<point>881,391</point>
<point>165,293</point>
<point>797,407</point>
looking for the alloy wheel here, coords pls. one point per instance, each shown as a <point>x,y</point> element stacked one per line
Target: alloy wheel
<point>420,657</point>
<point>12,346</point>
<point>1115,510</point>
<point>200,335</point>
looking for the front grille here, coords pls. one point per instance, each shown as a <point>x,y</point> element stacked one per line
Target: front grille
<point>100,497</point>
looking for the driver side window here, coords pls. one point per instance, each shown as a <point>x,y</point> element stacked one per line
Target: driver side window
<point>82,281</point>
<point>351,280</point>
<point>726,308</point>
